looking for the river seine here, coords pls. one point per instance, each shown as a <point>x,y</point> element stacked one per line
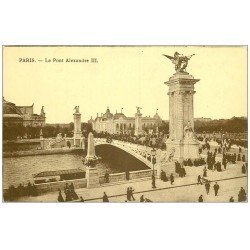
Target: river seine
<point>18,170</point>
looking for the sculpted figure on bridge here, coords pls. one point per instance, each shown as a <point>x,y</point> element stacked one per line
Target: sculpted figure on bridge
<point>188,131</point>
<point>138,110</point>
<point>76,108</point>
<point>180,61</point>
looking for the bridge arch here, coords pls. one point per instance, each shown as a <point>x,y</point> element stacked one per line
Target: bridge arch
<point>129,148</point>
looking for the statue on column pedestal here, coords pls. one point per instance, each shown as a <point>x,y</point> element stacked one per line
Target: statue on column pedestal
<point>76,108</point>
<point>180,61</point>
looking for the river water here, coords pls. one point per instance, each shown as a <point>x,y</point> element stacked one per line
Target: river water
<point>18,170</point>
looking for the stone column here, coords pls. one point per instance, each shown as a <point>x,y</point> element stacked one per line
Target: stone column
<point>181,90</point>
<point>138,123</point>
<point>77,127</point>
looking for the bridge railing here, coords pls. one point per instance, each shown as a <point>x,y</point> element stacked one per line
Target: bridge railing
<point>140,150</point>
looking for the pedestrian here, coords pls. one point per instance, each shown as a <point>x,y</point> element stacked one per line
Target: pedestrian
<point>243,169</point>
<point>242,196</point>
<point>105,198</point>
<point>216,188</point>
<point>67,192</point>
<point>199,180</point>
<point>153,181</point>
<point>142,199</point>
<point>128,194</point>
<point>60,197</point>
<point>238,157</point>
<point>231,199</point>
<point>207,186</point>
<point>72,192</point>
<point>131,193</point>
<point>205,172</point>
<point>200,198</point>
<point>243,158</point>
<point>172,179</point>
<point>183,171</point>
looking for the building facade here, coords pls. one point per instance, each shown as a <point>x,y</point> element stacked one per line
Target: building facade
<point>22,115</point>
<point>119,123</point>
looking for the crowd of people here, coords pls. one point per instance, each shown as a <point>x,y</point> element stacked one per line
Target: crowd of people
<point>195,162</point>
<point>70,194</point>
<point>13,193</point>
<point>152,140</point>
<point>179,169</point>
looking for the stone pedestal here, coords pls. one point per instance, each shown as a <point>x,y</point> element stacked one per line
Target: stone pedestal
<point>181,115</point>
<point>190,149</point>
<point>91,148</point>
<point>138,123</point>
<point>92,176</point>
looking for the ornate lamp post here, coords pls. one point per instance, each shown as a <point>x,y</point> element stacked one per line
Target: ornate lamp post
<point>153,154</point>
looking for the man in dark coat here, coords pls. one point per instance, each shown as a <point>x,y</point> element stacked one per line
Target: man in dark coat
<point>242,196</point>
<point>199,180</point>
<point>142,199</point>
<point>131,193</point>
<point>60,197</point>
<point>128,194</point>
<point>216,188</point>
<point>105,198</point>
<point>243,158</point>
<point>205,172</point>
<point>243,169</point>
<point>207,186</point>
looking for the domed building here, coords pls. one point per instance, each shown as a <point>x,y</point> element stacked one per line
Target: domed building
<point>119,123</point>
<point>22,115</point>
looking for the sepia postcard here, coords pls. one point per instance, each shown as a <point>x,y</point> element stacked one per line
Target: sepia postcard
<point>125,124</point>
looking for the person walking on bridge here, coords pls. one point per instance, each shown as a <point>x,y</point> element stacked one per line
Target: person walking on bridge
<point>216,188</point>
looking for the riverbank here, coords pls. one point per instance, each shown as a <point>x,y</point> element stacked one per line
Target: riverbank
<point>183,190</point>
<point>41,152</point>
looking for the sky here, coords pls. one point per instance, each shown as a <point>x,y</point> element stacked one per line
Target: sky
<point>123,77</point>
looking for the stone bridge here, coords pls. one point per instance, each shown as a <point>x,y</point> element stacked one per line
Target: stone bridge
<point>142,153</point>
